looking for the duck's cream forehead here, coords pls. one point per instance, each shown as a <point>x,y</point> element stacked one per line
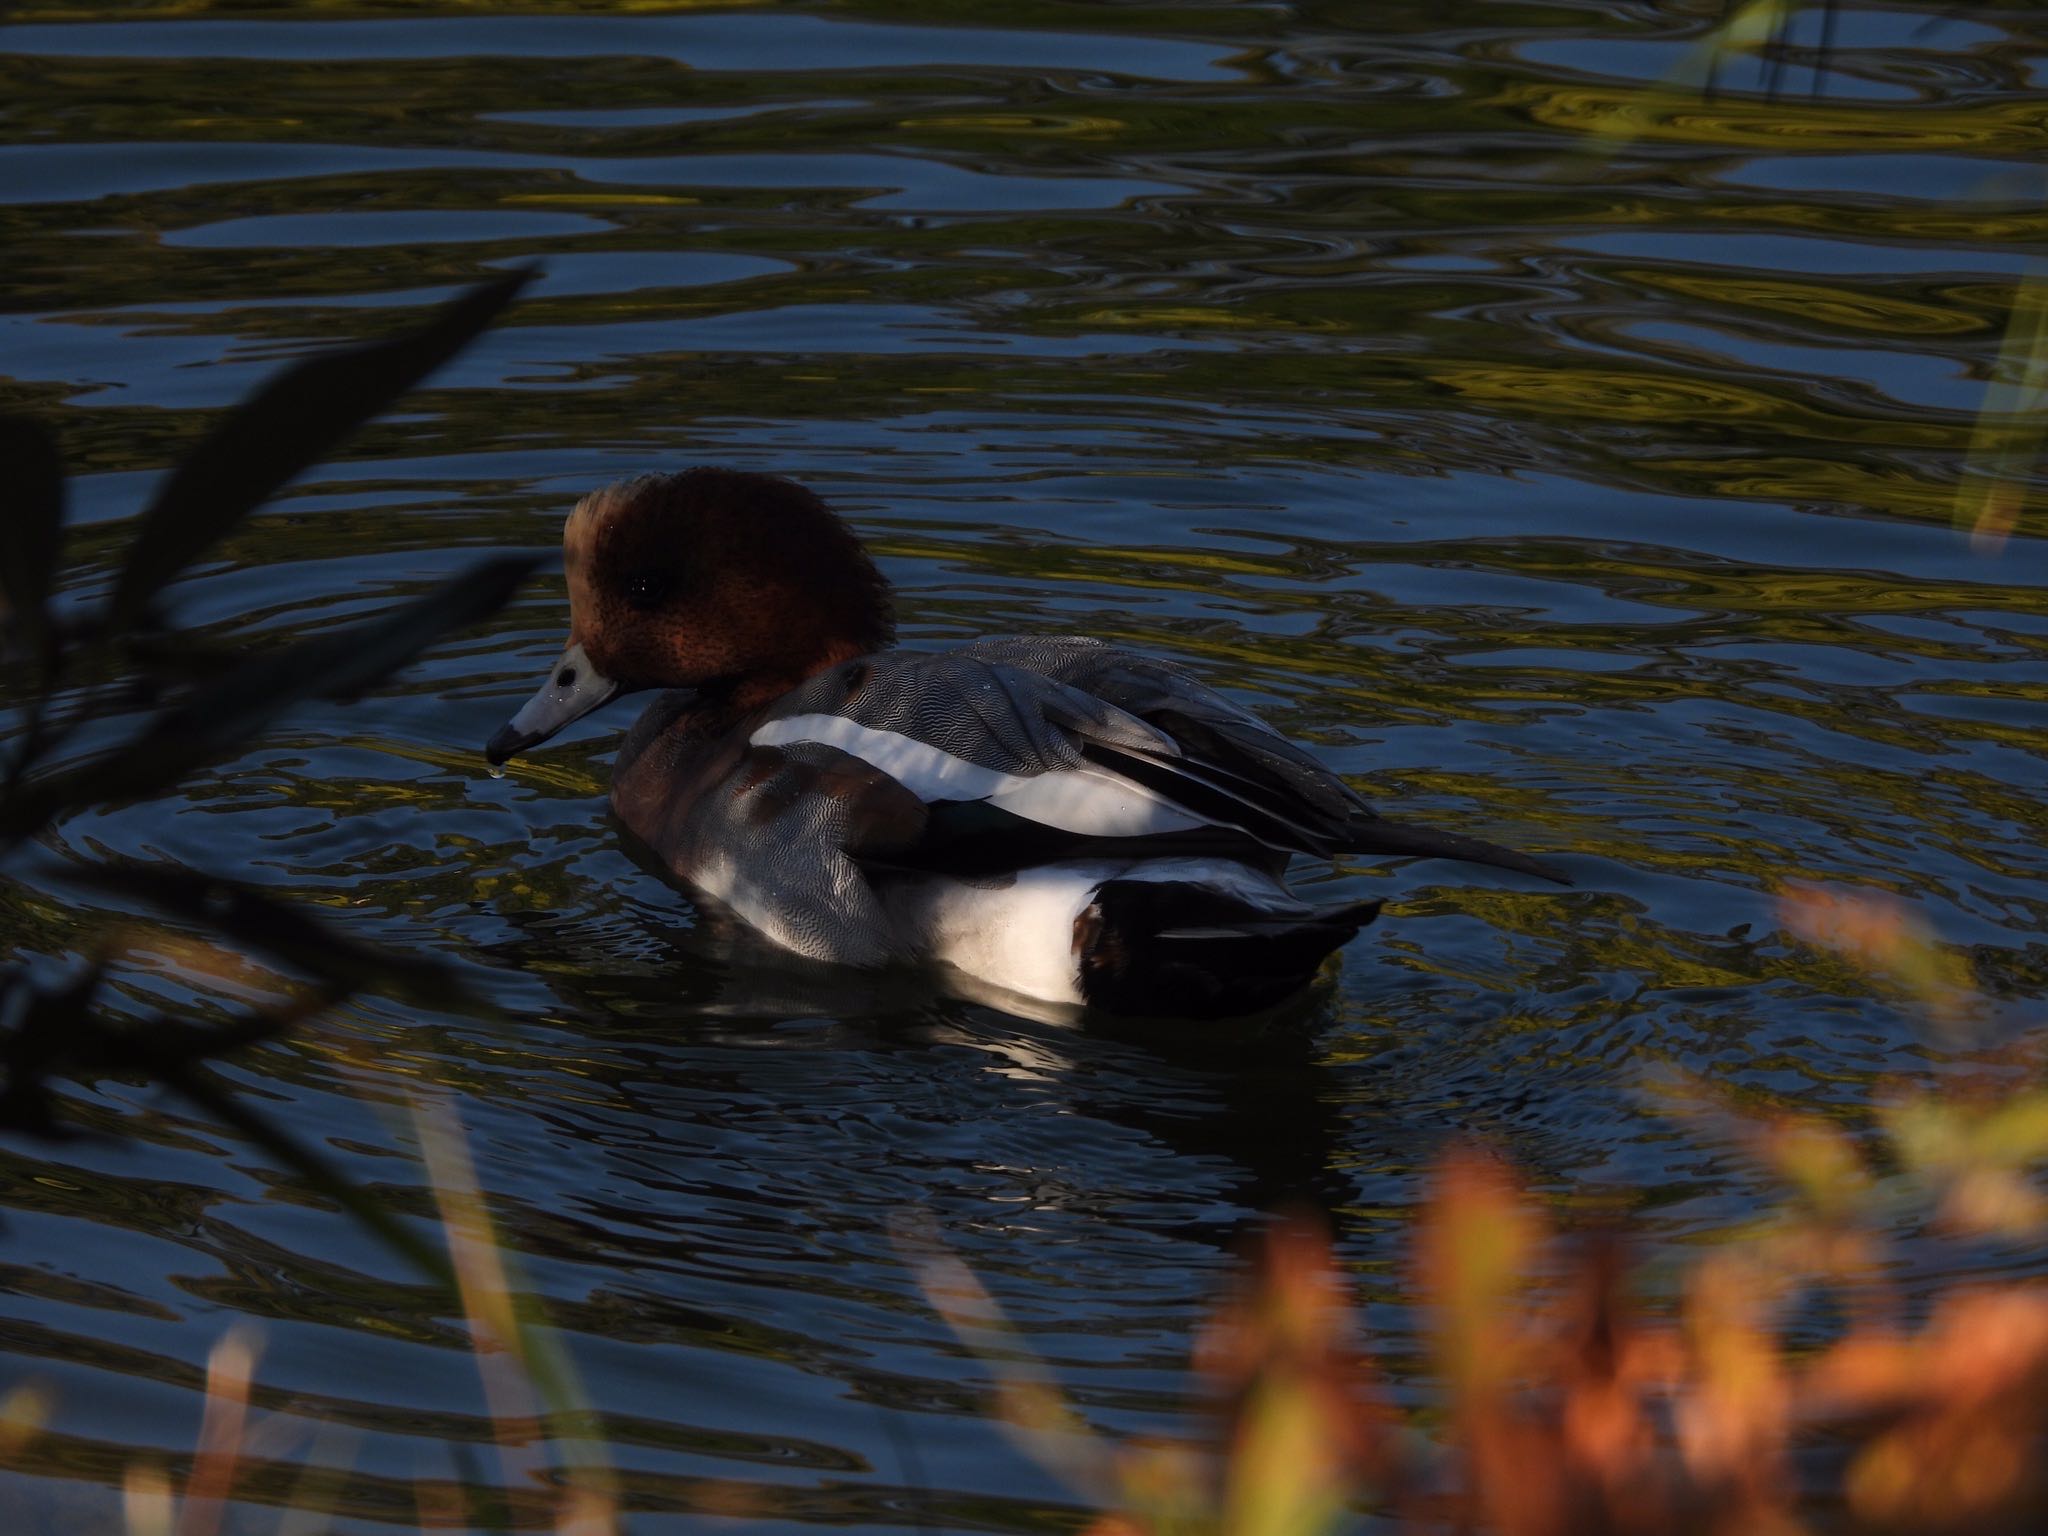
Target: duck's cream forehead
<point>590,514</point>
<point>590,523</point>
<point>581,533</point>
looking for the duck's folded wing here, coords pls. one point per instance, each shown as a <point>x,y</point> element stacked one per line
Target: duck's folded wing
<point>954,729</point>
<point>1206,753</point>
<point>1230,763</point>
<point>1032,748</point>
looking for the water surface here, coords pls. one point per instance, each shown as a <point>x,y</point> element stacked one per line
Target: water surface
<point>1568,458</point>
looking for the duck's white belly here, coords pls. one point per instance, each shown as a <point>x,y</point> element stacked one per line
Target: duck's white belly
<point>1019,934</point>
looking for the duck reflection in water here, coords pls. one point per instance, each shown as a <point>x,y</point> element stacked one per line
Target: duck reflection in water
<point>710,1023</point>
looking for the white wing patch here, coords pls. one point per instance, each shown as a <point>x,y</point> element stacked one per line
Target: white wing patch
<point>1090,801</point>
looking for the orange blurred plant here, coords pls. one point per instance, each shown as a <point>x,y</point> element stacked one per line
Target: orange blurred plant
<point>1570,1409</point>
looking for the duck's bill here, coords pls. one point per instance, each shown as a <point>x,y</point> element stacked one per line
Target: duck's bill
<point>572,690</point>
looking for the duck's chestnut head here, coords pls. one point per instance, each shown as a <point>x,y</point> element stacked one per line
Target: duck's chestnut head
<point>730,583</point>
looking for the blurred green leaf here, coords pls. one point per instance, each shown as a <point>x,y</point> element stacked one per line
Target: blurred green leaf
<point>286,933</point>
<point>480,1505</point>
<point>234,706</point>
<point>2006,441</point>
<point>2015,1134</point>
<point>289,425</point>
<point>31,525</point>
<point>1820,1162</point>
<point>1932,1136</point>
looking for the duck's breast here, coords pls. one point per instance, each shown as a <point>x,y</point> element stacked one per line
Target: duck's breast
<point>767,830</point>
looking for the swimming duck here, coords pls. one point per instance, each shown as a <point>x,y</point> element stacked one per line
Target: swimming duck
<point>1053,815</point>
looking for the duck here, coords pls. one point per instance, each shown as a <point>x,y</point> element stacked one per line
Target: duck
<point>1054,816</point>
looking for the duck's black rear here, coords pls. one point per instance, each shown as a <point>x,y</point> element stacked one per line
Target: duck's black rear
<point>1159,949</point>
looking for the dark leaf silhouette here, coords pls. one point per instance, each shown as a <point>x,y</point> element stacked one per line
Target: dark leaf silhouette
<point>59,1034</point>
<point>343,664</point>
<point>284,932</point>
<point>289,425</point>
<point>223,697</point>
<point>31,525</point>
<point>184,1076</point>
<point>239,703</point>
<point>47,1032</point>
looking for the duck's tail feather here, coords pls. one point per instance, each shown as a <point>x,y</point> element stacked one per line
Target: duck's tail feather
<point>1154,948</point>
<point>1375,834</point>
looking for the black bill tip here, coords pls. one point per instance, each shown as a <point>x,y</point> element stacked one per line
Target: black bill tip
<point>509,742</point>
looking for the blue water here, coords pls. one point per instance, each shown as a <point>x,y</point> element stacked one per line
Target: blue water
<point>1594,494</point>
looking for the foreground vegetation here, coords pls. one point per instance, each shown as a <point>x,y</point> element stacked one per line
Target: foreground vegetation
<point>1583,1393</point>
<point>1782,1382</point>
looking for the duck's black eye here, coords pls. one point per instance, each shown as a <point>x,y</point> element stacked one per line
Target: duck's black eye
<point>647,590</point>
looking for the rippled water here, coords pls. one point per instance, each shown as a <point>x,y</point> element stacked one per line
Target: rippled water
<point>1569,457</point>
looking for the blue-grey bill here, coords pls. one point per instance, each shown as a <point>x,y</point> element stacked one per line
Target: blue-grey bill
<point>572,690</point>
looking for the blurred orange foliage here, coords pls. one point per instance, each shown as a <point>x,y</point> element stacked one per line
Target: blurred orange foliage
<point>1571,1412</point>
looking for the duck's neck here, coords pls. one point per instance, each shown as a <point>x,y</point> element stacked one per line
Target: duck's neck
<point>762,685</point>
<point>682,745</point>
